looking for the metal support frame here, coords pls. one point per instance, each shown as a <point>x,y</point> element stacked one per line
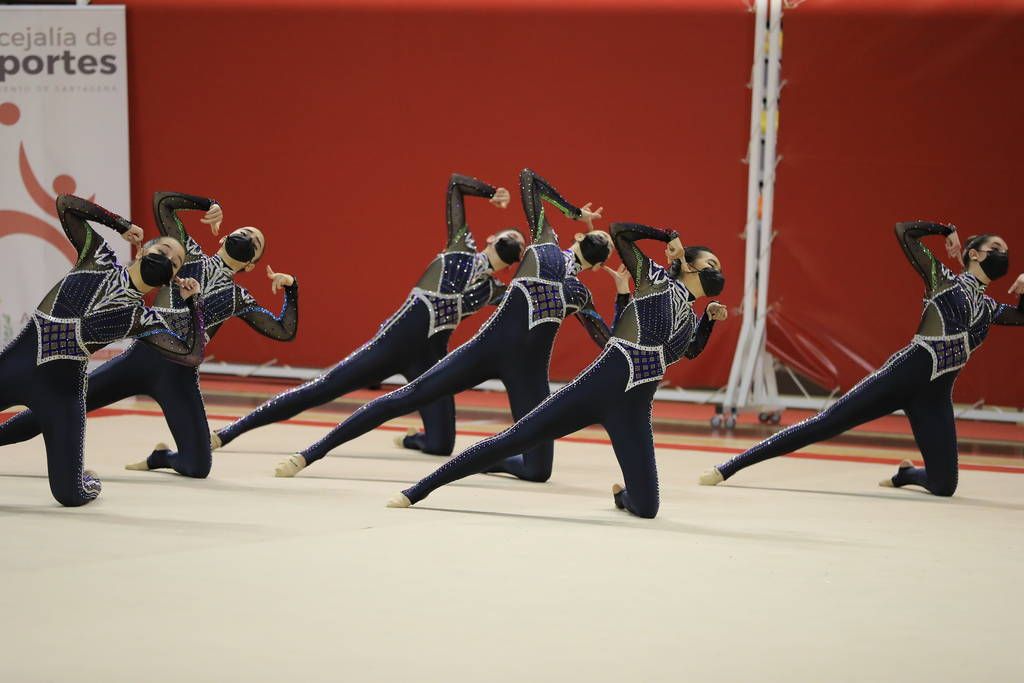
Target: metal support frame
<point>752,375</point>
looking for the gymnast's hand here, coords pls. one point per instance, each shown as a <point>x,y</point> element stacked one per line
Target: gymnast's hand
<point>621,277</point>
<point>675,251</point>
<point>1018,285</point>
<point>501,198</point>
<point>953,248</point>
<point>188,287</point>
<point>133,235</point>
<point>717,311</point>
<point>279,280</point>
<point>588,216</point>
<point>214,217</point>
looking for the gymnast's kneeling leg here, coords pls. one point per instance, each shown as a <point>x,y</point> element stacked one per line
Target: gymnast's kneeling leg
<point>631,432</point>
<point>182,403</point>
<point>933,423</point>
<point>438,434</point>
<point>58,401</point>
<point>526,391</point>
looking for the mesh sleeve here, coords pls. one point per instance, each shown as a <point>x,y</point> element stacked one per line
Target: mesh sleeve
<point>185,347</point>
<point>282,327</point>
<point>621,301</point>
<point>921,257</point>
<point>626,235</point>
<point>1008,315</point>
<point>594,324</point>
<point>498,291</point>
<point>700,337</point>
<point>459,237</point>
<point>535,191</point>
<point>74,212</point>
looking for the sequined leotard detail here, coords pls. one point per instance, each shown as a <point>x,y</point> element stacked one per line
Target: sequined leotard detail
<point>616,391</point>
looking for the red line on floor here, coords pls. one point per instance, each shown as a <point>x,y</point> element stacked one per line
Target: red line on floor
<point>114,412</point>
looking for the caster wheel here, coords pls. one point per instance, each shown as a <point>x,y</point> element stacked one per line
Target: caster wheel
<point>716,421</point>
<point>775,418</point>
<point>730,422</point>
<point>764,418</point>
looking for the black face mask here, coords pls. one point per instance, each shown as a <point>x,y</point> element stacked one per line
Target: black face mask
<point>996,264</point>
<point>712,281</point>
<point>509,249</point>
<point>594,249</point>
<point>240,248</point>
<point>156,269</point>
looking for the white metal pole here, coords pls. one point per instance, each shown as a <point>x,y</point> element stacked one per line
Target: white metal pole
<point>774,67</point>
<point>754,175</point>
<point>747,376</point>
<point>770,159</point>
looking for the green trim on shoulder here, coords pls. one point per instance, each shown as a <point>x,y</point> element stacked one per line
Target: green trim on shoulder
<point>934,269</point>
<point>639,257</point>
<point>86,247</point>
<point>182,233</point>
<point>557,205</point>
<point>459,236</point>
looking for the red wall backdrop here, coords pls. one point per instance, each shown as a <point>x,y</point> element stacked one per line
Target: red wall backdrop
<point>334,126</point>
<point>897,114</point>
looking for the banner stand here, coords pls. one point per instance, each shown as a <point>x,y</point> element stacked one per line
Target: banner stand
<point>63,130</point>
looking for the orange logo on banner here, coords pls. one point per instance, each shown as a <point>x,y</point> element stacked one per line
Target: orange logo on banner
<point>18,223</point>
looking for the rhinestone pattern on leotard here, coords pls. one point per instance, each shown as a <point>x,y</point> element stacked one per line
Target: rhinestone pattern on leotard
<point>666,324</point>
<point>59,338</point>
<point>103,307</point>
<point>555,292</point>
<point>966,314</point>
<point>646,363</point>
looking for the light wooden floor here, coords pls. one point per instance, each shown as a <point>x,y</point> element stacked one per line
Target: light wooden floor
<point>798,570</point>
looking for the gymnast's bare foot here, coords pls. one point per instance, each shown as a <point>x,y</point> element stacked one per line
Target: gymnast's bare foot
<point>891,481</point>
<point>711,477</point>
<point>400,439</point>
<point>290,467</point>
<point>144,465</point>
<point>215,441</point>
<point>617,492</point>
<point>399,501</point>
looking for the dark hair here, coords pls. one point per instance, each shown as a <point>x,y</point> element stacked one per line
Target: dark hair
<point>159,240</point>
<point>595,249</point>
<point>691,254</point>
<point>975,242</point>
<point>694,252</point>
<point>514,229</point>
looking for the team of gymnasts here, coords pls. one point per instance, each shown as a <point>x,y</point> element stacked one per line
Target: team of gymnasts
<point>100,301</point>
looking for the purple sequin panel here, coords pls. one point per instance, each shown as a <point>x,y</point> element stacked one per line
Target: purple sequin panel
<point>446,309</point>
<point>547,300</point>
<point>646,364</point>
<point>57,339</point>
<point>949,353</point>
